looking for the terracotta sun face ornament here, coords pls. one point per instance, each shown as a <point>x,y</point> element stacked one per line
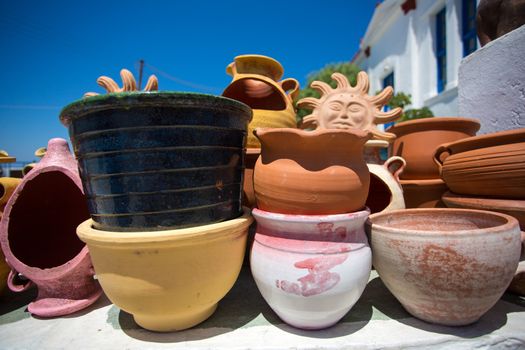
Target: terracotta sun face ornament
<point>349,106</point>
<point>128,83</point>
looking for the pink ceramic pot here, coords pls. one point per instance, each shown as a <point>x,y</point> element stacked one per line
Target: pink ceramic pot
<point>38,236</point>
<point>445,266</point>
<point>310,269</point>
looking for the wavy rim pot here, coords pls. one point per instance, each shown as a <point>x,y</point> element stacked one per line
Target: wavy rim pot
<point>159,160</point>
<point>445,266</point>
<point>310,269</point>
<point>168,280</point>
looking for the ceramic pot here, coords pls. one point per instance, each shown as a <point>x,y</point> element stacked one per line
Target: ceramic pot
<point>486,165</point>
<point>256,83</point>
<point>385,193</point>
<point>445,266</point>
<point>417,141</point>
<point>159,160</point>
<point>423,193</point>
<point>249,160</point>
<point>168,280</point>
<point>310,269</point>
<point>311,172</point>
<point>37,235</point>
<point>7,187</point>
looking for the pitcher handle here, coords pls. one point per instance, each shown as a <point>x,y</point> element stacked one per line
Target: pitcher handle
<point>16,287</point>
<point>395,165</point>
<point>441,153</point>
<point>290,84</point>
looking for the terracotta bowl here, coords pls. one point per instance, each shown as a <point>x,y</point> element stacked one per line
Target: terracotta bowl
<point>485,165</point>
<point>168,280</point>
<point>423,193</point>
<point>445,266</point>
<point>417,141</point>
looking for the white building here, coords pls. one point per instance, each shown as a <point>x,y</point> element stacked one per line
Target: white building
<point>416,46</point>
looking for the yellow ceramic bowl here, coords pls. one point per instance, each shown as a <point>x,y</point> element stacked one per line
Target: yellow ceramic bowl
<point>168,280</point>
<point>263,118</point>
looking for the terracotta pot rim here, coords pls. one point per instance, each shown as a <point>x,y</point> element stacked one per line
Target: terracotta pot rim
<point>81,107</point>
<point>510,224</point>
<point>492,203</point>
<point>488,140</point>
<point>184,236</point>
<point>314,133</point>
<point>422,182</point>
<point>300,218</point>
<point>434,123</point>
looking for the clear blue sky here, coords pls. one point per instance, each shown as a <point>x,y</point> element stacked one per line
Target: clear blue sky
<point>51,52</point>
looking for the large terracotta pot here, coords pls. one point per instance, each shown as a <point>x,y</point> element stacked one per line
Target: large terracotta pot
<point>385,193</point>
<point>311,172</point>
<point>423,193</point>
<point>256,83</point>
<point>417,141</point>
<point>37,235</point>
<point>168,280</point>
<point>159,160</point>
<point>310,269</point>
<point>445,266</point>
<point>485,165</point>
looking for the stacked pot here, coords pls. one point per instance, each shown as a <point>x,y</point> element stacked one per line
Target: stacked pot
<point>417,141</point>
<point>310,257</point>
<point>162,173</point>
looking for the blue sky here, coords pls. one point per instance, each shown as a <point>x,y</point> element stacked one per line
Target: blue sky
<point>53,51</point>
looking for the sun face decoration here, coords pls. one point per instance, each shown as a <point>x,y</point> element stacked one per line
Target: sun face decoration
<point>128,83</point>
<point>349,106</point>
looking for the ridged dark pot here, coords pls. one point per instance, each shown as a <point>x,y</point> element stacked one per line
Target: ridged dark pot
<point>159,160</point>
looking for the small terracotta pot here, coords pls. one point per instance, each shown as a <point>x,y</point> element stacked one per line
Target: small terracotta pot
<point>168,280</point>
<point>423,193</point>
<point>310,269</point>
<point>417,141</point>
<point>311,172</point>
<point>445,266</point>
<point>485,165</point>
<point>385,192</point>
<point>37,235</point>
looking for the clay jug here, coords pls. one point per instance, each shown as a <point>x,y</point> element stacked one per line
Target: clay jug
<point>311,172</point>
<point>38,236</point>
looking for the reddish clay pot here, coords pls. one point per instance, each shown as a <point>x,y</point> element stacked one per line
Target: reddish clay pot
<point>38,236</point>
<point>445,266</point>
<point>417,141</point>
<point>486,165</point>
<point>317,172</point>
<point>423,193</point>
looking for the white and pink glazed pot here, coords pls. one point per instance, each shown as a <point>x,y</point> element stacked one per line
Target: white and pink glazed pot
<point>311,269</point>
<point>38,236</point>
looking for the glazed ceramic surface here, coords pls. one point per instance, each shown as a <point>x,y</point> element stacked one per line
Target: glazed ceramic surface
<point>168,280</point>
<point>37,235</point>
<point>385,193</point>
<point>311,172</point>
<point>417,141</point>
<point>256,83</point>
<point>310,269</point>
<point>154,161</point>
<point>7,187</point>
<point>485,165</point>
<point>423,193</point>
<point>445,266</point>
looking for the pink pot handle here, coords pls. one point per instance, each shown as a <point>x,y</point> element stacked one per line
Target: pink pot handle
<point>395,165</point>
<point>14,286</point>
<point>290,84</point>
<point>441,153</point>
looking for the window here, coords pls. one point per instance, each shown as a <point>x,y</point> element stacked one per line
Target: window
<point>441,49</point>
<point>388,81</point>
<point>469,35</point>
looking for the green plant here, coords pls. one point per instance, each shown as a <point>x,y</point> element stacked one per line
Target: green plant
<point>402,100</point>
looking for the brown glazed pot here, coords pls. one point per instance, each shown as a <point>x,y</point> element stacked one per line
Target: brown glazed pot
<point>423,193</point>
<point>417,141</point>
<point>445,266</point>
<point>486,165</point>
<point>317,172</point>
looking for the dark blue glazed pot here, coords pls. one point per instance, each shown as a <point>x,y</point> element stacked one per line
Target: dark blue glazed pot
<point>159,160</point>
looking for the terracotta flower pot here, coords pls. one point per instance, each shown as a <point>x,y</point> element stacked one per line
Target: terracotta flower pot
<point>385,192</point>
<point>159,160</point>
<point>485,165</point>
<point>445,266</point>
<point>310,269</point>
<point>168,280</point>
<point>311,172</point>
<point>37,235</point>
<point>423,193</point>
<point>417,141</point>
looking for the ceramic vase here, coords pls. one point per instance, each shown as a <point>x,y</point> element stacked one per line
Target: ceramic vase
<point>37,235</point>
<point>7,187</point>
<point>159,160</point>
<point>445,266</point>
<point>310,269</point>
<point>168,280</point>
<point>417,141</point>
<point>486,165</point>
<point>311,172</point>
<point>256,82</point>
<point>385,193</point>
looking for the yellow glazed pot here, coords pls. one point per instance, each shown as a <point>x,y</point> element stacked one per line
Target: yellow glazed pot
<point>168,280</point>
